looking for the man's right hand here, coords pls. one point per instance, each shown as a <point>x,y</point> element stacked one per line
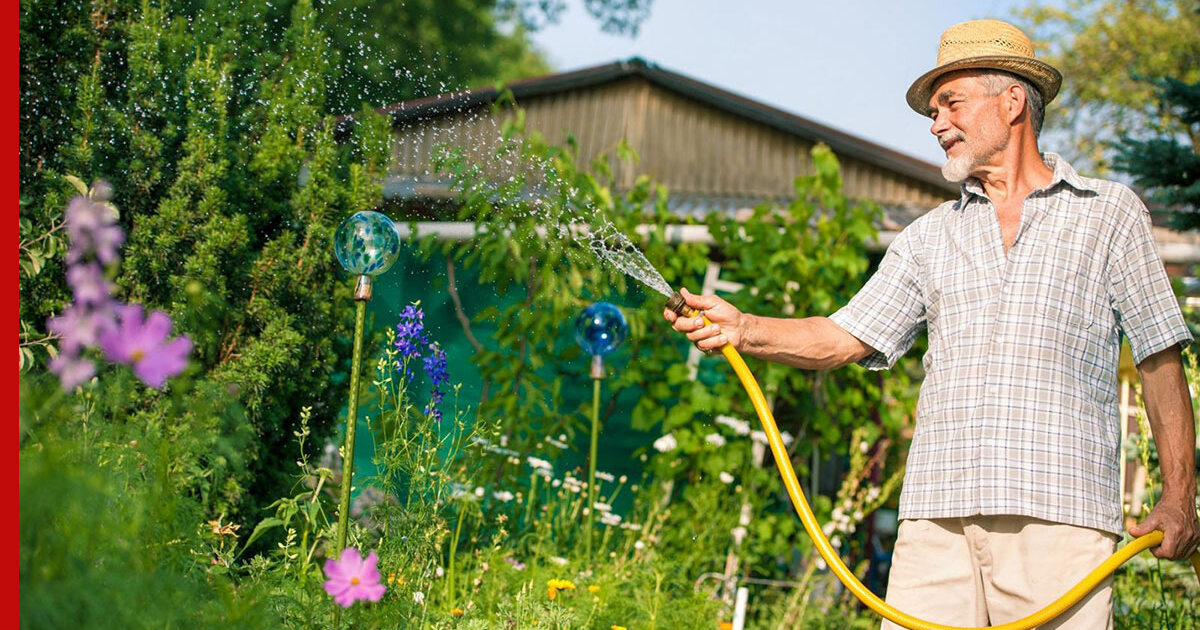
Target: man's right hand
<point>727,322</point>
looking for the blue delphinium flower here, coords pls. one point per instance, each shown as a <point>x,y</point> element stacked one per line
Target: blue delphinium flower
<point>412,343</point>
<point>410,336</point>
<point>435,367</point>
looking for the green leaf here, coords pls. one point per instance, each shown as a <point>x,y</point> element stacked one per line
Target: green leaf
<point>77,183</point>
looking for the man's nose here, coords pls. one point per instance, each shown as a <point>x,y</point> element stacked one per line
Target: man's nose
<point>940,124</point>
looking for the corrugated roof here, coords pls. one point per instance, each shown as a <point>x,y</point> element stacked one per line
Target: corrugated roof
<point>842,143</point>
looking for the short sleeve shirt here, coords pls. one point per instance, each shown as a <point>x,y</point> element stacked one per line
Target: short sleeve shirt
<point>1018,412</point>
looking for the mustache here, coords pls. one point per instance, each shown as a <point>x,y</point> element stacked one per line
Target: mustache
<point>950,136</point>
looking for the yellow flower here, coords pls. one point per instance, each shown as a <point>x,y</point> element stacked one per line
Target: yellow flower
<point>456,612</point>
<point>726,625</point>
<point>592,588</point>
<point>554,586</point>
<point>619,628</point>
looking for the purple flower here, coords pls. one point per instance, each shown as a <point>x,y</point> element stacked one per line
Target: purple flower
<point>79,326</point>
<point>435,367</point>
<point>352,578</point>
<point>72,370</point>
<point>410,333</point>
<point>88,283</point>
<point>93,229</point>
<point>142,342</point>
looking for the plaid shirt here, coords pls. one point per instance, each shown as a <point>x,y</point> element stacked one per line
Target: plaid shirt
<point>1018,410</point>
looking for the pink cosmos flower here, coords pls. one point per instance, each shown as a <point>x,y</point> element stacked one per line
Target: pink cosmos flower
<point>353,578</point>
<point>142,342</point>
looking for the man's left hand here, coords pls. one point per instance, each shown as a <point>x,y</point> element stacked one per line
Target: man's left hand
<point>1176,519</point>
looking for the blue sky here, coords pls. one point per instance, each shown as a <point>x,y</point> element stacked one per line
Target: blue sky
<point>846,63</point>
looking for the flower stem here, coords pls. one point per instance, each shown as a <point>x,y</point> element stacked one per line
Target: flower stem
<point>591,495</point>
<point>454,548</point>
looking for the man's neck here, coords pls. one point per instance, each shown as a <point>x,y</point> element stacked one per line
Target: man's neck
<point>1014,172</point>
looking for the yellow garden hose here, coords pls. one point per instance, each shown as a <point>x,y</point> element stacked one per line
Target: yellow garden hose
<point>852,583</point>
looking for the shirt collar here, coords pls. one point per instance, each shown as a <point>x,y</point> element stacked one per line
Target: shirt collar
<point>1063,172</point>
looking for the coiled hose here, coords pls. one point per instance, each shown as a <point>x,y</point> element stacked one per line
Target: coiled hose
<point>852,583</point>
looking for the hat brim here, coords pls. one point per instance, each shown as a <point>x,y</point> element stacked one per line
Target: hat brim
<point>1043,76</point>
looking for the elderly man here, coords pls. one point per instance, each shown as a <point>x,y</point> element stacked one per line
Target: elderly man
<point>1025,284</point>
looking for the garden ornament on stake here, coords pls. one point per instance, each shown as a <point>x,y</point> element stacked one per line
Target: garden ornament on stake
<point>366,244</point>
<point>599,329</point>
<point>783,462</point>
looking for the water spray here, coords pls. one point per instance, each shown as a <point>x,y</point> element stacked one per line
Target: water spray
<point>679,306</point>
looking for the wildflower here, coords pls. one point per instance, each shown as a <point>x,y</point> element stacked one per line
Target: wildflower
<point>639,545</point>
<point>88,284</point>
<point>740,427</point>
<point>503,495</point>
<point>439,572</point>
<point>610,519</point>
<point>716,439</point>
<point>352,578</point>
<point>562,562</point>
<point>142,342</point>
<point>79,326</point>
<point>593,589</point>
<point>665,443</point>
<point>92,228</point>
<point>72,371</point>
<point>554,586</point>
<point>538,463</point>
<point>516,564</point>
<point>410,334</point>
<point>605,476</point>
<point>725,477</point>
<point>435,367</point>
<point>602,507</point>
<point>223,529</point>
<point>419,598</point>
<point>456,612</point>
<point>725,625</point>
<point>617,628</point>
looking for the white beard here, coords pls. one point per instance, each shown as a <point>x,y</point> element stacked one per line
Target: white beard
<point>957,169</point>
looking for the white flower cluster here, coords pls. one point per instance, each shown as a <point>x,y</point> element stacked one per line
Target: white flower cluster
<point>610,519</point>
<point>740,427</point>
<point>715,439</point>
<point>538,463</point>
<point>603,476</point>
<point>503,495</point>
<point>666,443</point>
<point>725,477</point>
<point>761,438</point>
<point>573,484</point>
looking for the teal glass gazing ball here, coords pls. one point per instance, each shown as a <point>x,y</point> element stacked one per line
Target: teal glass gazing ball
<point>367,243</point>
<point>600,328</point>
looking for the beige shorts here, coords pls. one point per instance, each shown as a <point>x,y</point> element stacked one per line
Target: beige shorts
<point>989,570</point>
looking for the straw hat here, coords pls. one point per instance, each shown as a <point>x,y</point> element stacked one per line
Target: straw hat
<point>985,44</point>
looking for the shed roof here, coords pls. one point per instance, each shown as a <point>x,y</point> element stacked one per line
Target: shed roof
<point>845,145</point>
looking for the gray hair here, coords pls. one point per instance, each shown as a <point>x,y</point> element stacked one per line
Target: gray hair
<point>997,80</point>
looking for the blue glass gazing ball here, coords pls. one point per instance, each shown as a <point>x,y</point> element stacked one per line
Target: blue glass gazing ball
<point>600,328</point>
<point>367,243</point>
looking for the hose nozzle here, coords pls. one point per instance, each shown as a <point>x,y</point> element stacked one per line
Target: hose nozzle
<point>679,306</point>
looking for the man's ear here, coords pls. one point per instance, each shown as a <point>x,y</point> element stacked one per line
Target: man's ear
<point>1014,102</point>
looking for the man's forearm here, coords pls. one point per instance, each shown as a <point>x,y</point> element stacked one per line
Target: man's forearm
<point>1169,410</point>
<point>811,343</point>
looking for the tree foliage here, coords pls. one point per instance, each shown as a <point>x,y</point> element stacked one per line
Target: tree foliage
<point>1165,166</point>
<point>1102,48</point>
<point>215,124</point>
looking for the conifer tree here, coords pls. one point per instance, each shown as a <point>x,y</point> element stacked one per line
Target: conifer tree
<point>1166,166</point>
